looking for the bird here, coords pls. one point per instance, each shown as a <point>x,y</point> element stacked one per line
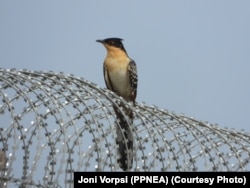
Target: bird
<point>120,75</point>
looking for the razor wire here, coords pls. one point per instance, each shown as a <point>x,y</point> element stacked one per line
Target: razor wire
<point>53,124</point>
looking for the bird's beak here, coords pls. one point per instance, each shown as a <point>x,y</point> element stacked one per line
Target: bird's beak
<point>101,41</point>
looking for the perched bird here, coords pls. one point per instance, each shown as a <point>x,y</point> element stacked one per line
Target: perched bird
<point>120,75</point>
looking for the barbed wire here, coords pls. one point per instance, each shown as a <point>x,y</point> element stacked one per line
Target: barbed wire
<point>53,124</point>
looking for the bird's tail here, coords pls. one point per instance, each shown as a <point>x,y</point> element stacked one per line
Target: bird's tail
<point>124,140</point>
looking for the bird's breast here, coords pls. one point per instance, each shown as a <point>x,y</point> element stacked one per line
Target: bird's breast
<point>118,74</point>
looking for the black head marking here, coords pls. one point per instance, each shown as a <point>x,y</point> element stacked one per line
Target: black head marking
<point>116,42</point>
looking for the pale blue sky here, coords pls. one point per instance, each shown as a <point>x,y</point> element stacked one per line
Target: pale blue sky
<point>193,56</point>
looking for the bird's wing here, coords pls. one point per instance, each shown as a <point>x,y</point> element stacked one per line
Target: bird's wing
<point>107,78</point>
<point>133,78</point>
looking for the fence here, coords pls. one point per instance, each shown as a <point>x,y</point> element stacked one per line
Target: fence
<point>53,124</point>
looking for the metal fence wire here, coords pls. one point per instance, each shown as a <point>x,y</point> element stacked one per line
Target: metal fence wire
<point>52,124</point>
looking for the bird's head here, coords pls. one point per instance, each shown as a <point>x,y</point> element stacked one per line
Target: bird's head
<point>112,43</point>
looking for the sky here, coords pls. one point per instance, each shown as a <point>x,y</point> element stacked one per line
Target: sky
<point>193,57</point>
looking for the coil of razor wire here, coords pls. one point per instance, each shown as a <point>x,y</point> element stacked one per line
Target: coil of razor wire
<point>53,124</point>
